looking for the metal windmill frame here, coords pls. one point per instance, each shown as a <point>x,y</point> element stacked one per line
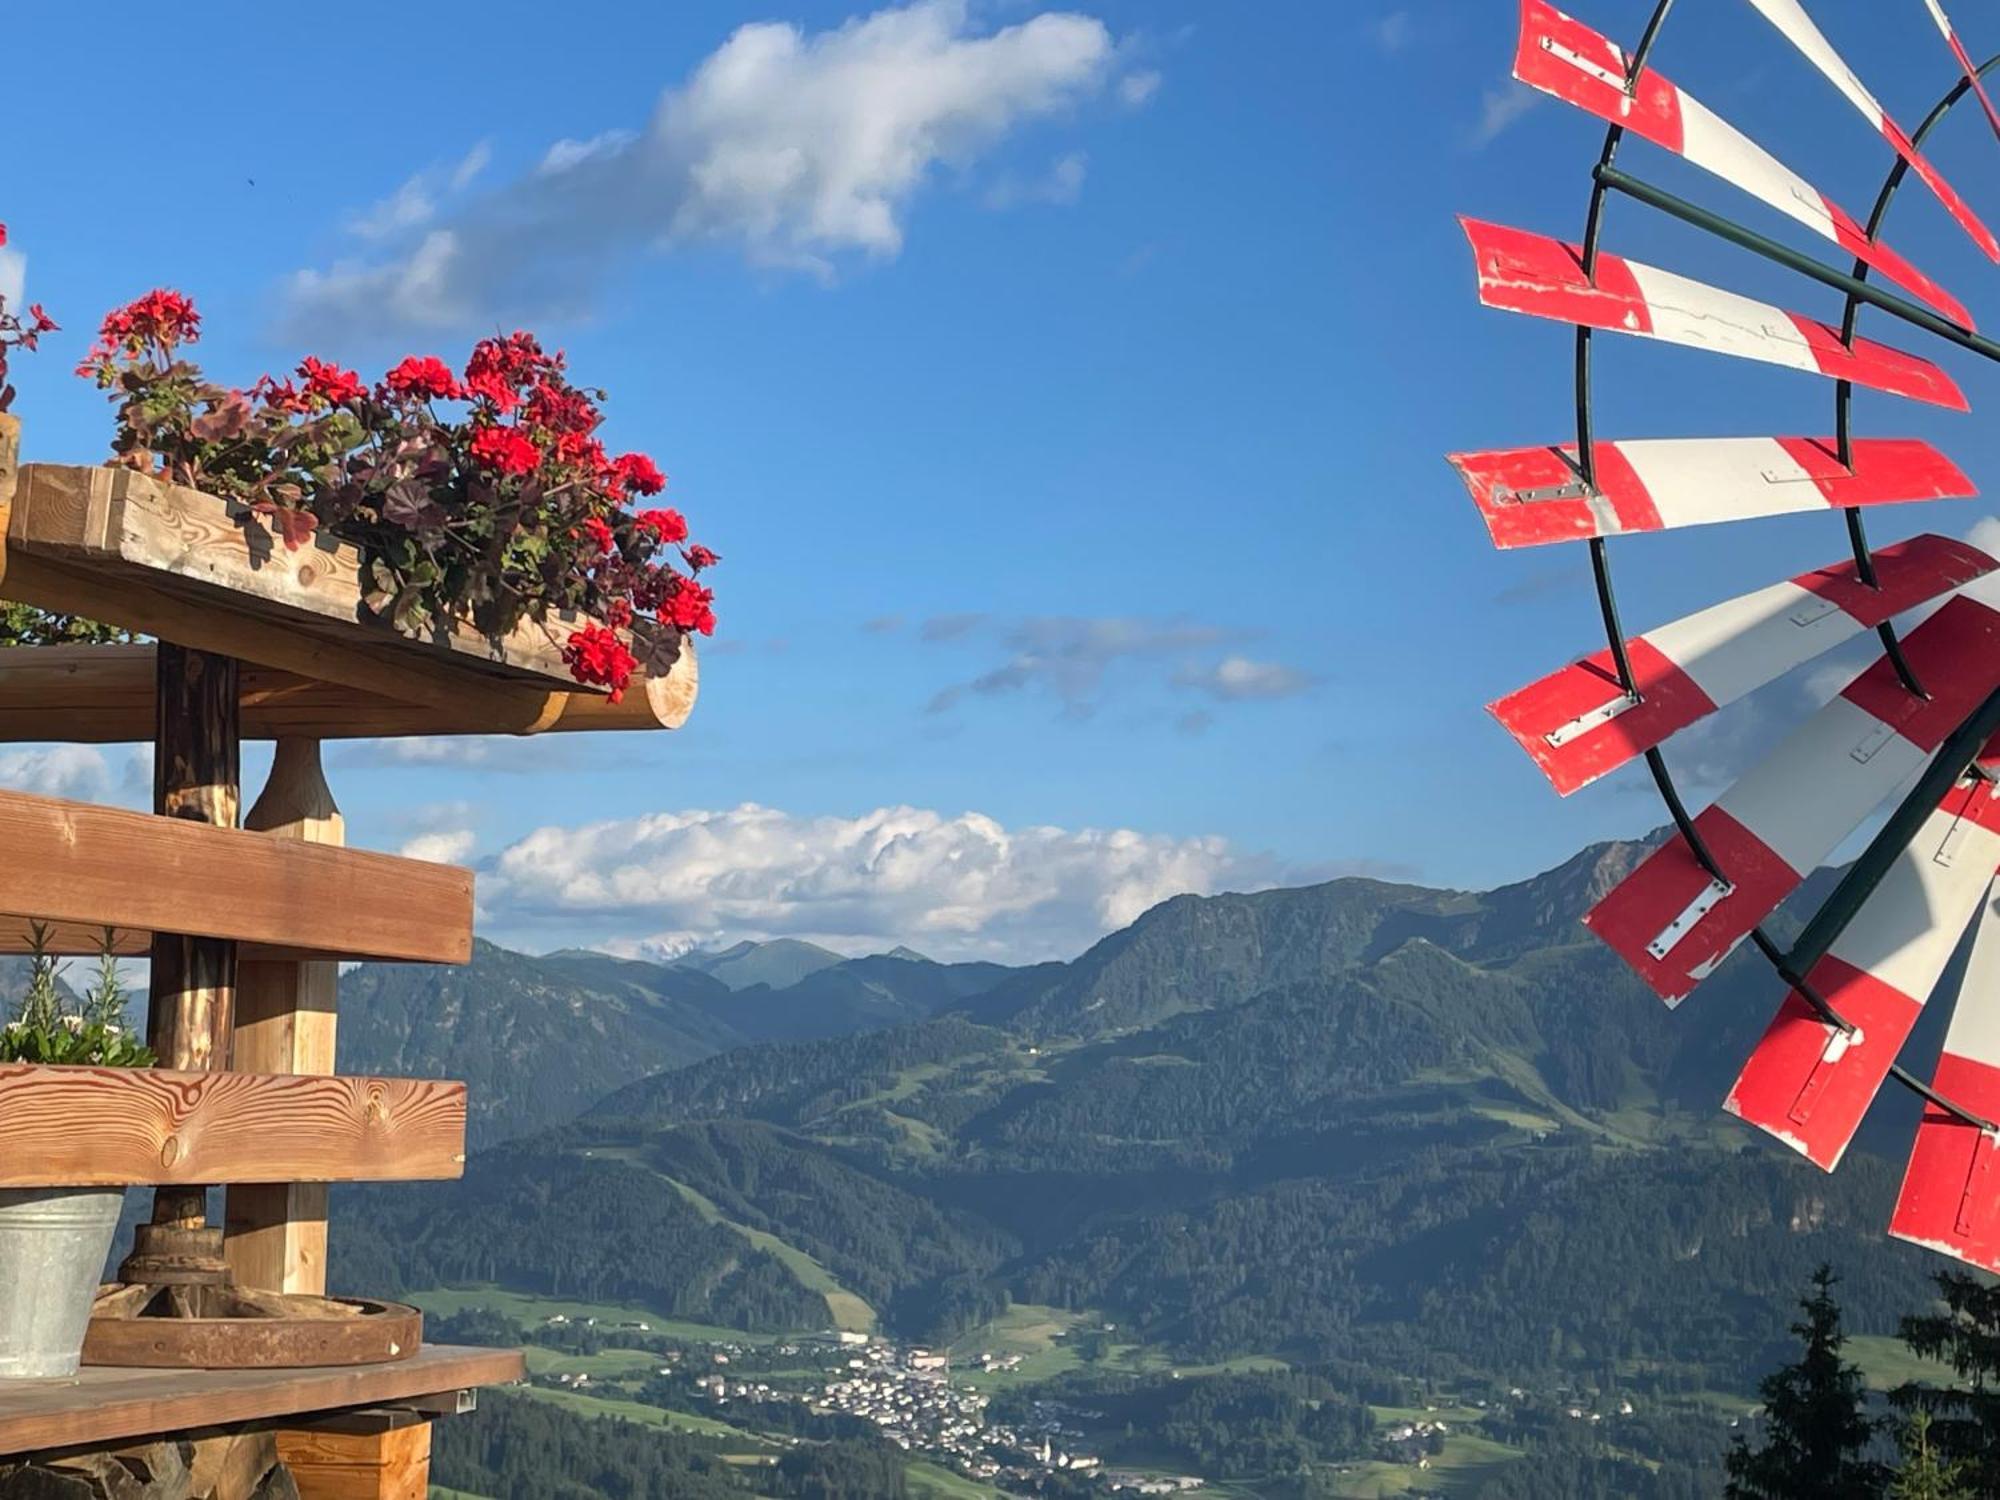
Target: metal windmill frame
<point>1958,755</point>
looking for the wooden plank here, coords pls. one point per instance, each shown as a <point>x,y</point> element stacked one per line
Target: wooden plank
<point>106,1127</point>
<point>131,528</point>
<point>96,866</point>
<point>212,625</point>
<point>112,1405</point>
<point>275,1232</point>
<point>104,695</point>
<point>391,1465</point>
<point>10,455</point>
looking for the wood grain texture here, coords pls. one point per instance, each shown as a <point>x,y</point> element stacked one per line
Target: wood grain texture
<point>74,940</point>
<point>107,1127</point>
<point>127,526</point>
<point>392,1465</point>
<point>275,1232</point>
<point>104,695</point>
<point>10,457</point>
<point>197,775</point>
<point>71,862</point>
<point>213,625</point>
<point>112,1405</point>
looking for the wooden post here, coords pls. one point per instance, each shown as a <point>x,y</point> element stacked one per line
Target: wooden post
<point>377,1461</point>
<point>275,1232</point>
<point>196,775</point>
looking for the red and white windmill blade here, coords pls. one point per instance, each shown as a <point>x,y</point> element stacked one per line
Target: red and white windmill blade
<point>1869,962</point>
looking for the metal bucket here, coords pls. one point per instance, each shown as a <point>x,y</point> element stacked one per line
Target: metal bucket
<point>53,1242</point>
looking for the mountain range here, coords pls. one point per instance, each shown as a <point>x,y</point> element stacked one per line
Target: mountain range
<point>540,1039</point>
<point>1438,1132</point>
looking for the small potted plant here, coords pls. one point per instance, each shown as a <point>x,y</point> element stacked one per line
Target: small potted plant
<point>53,1241</point>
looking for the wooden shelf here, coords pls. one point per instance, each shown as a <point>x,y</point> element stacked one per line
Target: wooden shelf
<point>94,867</point>
<point>104,695</point>
<point>118,1127</point>
<point>120,546</point>
<point>111,1406</point>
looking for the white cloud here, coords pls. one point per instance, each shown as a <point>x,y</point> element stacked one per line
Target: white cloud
<point>1236,678</point>
<point>796,148</point>
<point>1062,183</point>
<point>566,155</point>
<point>955,887</point>
<point>495,754</point>
<point>77,771</point>
<point>1499,109</point>
<point>471,165</point>
<point>13,279</point>
<point>1393,32</point>
<point>452,846</point>
<point>1135,89</point>
<point>416,202</point>
<point>1070,657</point>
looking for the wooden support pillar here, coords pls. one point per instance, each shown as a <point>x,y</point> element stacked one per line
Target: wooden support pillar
<point>376,1462</point>
<point>275,1232</point>
<point>197,773</point>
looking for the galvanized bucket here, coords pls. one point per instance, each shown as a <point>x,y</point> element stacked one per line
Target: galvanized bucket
<point>53,1242</point>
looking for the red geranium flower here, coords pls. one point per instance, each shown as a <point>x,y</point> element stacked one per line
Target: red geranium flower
<point>3,236</point>
<point>666,525</point>
<point>280,395</point>
<point>505,449</point>
<point>161,318</point>
<point>427,378</point>
<point>698,557</point>
<point>500,369</point>
<point>690,607</point>
<point>329,382</point>
<point>636,474</point>
<point>43,323</point>
<point>599,531</point>
<point>596,654</point>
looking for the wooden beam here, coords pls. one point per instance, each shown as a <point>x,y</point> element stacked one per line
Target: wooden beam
<point>275,1232</point>
<point>10,458</point>
<point>190,1014</point>
<point>394,1464</point>
<point>105,1127</point>
<point>212,625</point>
<point>165,547</point>
<point>88,866</point>
<point>104,695</point>
<point>110,1405</point>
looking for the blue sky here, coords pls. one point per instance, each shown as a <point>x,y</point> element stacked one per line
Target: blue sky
<point>1071,422</point>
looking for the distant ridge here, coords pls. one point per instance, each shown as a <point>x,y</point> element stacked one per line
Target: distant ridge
<point>780,963</point>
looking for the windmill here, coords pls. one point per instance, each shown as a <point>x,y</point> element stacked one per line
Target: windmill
<point>1916,731</point>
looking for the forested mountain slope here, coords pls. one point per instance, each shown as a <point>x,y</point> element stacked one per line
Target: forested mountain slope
<point>1434,1131</point>
<point>539,1040</point>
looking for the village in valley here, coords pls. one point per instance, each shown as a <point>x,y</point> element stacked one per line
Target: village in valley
<point>908,1393</point>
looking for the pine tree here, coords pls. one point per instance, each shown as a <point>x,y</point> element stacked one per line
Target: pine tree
<point>1924,1475</point>
<point>1816,1435</point>
<point>1965,1334</point>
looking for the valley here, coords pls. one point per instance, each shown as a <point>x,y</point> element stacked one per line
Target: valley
<point>1398,1147</point>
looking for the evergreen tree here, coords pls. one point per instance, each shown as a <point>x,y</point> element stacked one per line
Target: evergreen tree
<point>1816,1435</point>
<point>1965,1334</point>
<point>1924,1475</point>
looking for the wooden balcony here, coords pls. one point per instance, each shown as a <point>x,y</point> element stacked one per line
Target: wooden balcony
<point>246,927</point>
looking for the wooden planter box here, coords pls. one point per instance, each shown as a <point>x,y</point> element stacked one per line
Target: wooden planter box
<point>124,1127</point>
<point>122,547</point>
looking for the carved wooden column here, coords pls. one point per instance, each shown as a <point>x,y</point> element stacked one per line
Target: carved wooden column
<point>275,1232</point>
<point>196,774</point>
